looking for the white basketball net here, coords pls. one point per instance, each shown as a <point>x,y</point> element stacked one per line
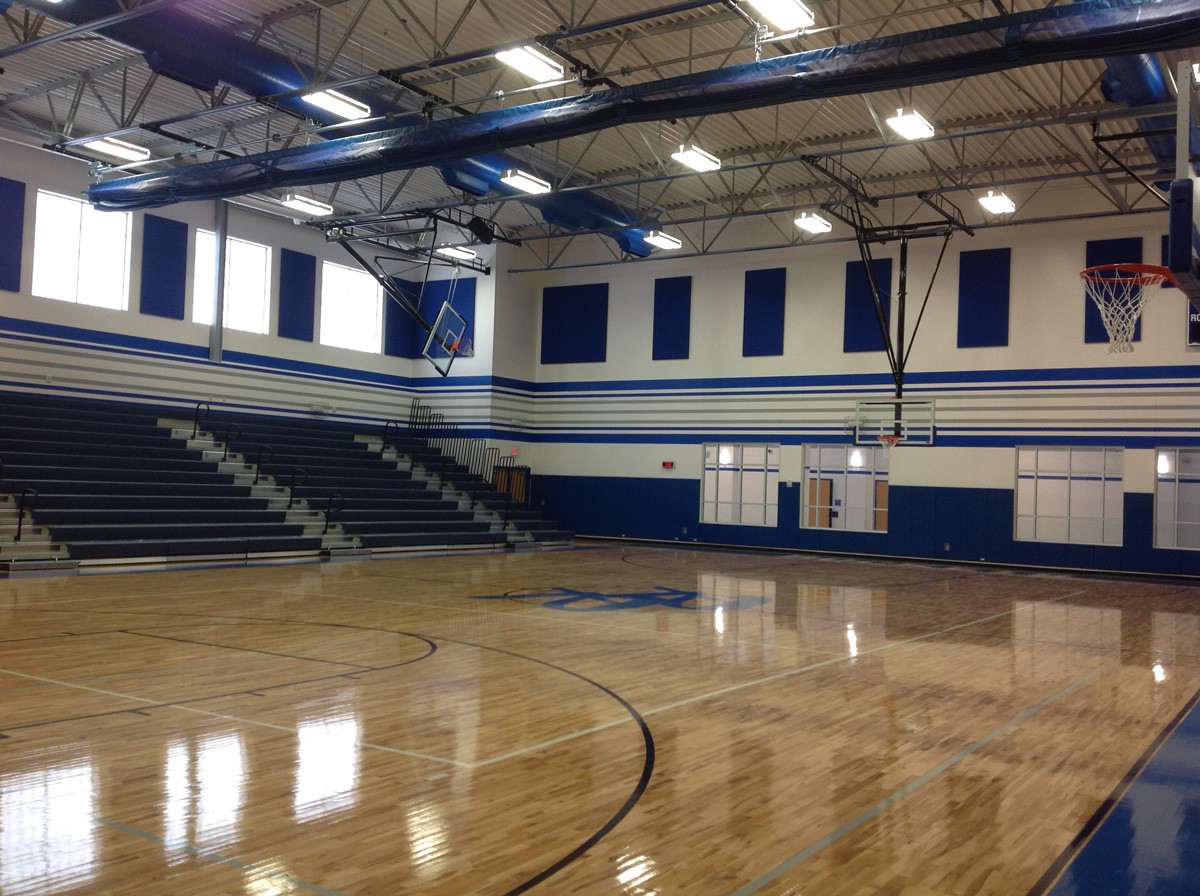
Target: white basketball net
<point>1120,291</point>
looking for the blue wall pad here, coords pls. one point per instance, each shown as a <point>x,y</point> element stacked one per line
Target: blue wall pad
<point>297,294</point>
<point>672,318</point>
<point>575,324</point>
<point>860,331</point>
<point>1127,250</point>
<point>12,231</point>
<point>983,297</point>
<point>164,267</point>
<point>763,312</point>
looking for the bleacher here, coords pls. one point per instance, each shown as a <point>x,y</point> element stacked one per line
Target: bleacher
<point>95,483</point>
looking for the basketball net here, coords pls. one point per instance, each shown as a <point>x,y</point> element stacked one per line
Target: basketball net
<point>1120,291</point>
<point>888,441</point>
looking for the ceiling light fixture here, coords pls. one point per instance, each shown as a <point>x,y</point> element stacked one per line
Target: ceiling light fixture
<point>663,240</point>
<point>786,15</point>
<point>998,203</point>
<point>533,63</point>
<point>694,157</point>
<point>910,125</point>
<point>118,149</point>
<point>338,104</point>
<point>520,180</point>
<point>298,202</point>
<point>813,223</point>
<point>458,253</point>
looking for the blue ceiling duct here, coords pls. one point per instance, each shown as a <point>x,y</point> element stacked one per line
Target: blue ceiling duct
<point>1138,81</point>
<point>1089,29</point>
<point>177,44</point>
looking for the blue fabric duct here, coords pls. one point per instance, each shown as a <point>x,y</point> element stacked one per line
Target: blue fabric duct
<point>176,44</point>
<point>1089,29</point>
<point>1138,81</point>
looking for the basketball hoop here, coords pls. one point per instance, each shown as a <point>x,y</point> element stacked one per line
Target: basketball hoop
<point>1120,291</point>
<point>464,348</point>
<point>887,440</point>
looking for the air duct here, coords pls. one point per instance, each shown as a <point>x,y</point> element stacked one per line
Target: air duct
<point>1085,30</point>
<point>1136,81</point>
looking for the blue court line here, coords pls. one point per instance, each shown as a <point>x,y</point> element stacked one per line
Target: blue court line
<point>855,823</point>
<point>192,850</point>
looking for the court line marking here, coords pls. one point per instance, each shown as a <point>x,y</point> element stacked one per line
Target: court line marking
<point>260,871</point>
<point>157,704</point>
<point>943,766</point>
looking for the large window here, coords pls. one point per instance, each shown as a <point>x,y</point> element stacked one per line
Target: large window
<point>80,254</point>
<point>740,485</point>
<point>247,283</point>
<point>351,309</point>
<point>1177,499</point>
<point>845,487</point>
<point>1070,495</point>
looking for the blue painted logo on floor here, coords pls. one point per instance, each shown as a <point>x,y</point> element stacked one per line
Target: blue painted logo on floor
<point>596,601</point>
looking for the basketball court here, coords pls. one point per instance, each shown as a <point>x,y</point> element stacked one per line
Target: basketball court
<point>615,718</point>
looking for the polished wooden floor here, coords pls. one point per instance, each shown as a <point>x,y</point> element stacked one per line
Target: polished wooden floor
<point>610,719</point>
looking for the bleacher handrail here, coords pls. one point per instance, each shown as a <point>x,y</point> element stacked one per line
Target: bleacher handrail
<point>198,416</point>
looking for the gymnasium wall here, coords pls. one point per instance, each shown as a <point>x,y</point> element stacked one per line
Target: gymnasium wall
<point>154,353</point>
<point>780,346</point>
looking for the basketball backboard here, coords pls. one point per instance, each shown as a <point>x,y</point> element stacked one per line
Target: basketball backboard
<point>445,339</point>
<point>1183,236</point>
<point>898,421</point>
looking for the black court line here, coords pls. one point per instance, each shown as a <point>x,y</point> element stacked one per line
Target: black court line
<point>289,656</point>
<point>638,790</point>
<point>1068,855</point>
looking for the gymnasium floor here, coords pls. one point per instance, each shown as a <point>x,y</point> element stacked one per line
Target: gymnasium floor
<point>610,719</point>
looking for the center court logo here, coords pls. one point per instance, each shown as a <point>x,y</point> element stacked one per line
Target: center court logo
<point>597,601</point>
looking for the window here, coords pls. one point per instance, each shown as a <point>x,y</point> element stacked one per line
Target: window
<point>1177,499</point>
<point>1070,495</point>
<point>351,309</point>
<point>80,254</point>
<point>740,485</point>
<point>247,283</point>
<point>845,487</point>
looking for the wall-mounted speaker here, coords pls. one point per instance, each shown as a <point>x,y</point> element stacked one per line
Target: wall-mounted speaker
<point>482,230</point>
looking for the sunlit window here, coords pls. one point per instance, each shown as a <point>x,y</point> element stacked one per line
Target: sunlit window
<point>80,254</point>
<point>351,309</point>
<point>47,829</point>
<point>327,752</point>
<point>247,283</point>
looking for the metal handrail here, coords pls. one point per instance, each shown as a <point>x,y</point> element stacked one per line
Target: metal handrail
<point>329,510</point>
<point>198,416</point>
<point>229,434</point>
<point>270,453</point>
<point>299,471</point>
<point>390,423</point>
<point>29,490</point>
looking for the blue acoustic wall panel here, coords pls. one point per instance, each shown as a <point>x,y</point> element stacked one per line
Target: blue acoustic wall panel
<point>403,337</point>
<point>164,267</point>
<point>672,318</point>
<point>575,324</point>
<point>297,294</point>
<point>860,332</point>
<point>983,297</point>
<point>762,313</point>
<point>1125,250</point>
<point>12,231</point>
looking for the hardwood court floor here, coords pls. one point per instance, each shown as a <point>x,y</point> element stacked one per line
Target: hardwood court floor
<point>804,725</point>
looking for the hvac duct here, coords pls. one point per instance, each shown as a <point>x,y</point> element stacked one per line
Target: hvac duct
<point>1088,29</point>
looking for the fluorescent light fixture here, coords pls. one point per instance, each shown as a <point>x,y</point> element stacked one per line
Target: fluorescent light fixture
<point>338,104</point>
<point>997,204</point>
<point>663,240</point>
<point>520,180</point>
<point>118,149</point>
<point>1196,71</point>
<point>910,125</point>
<point>786,15</point>
<point>533,63</point>
<point>458,253</point>
<point>813,223</point>
<point>307,205</point>
<point>694,157</point>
